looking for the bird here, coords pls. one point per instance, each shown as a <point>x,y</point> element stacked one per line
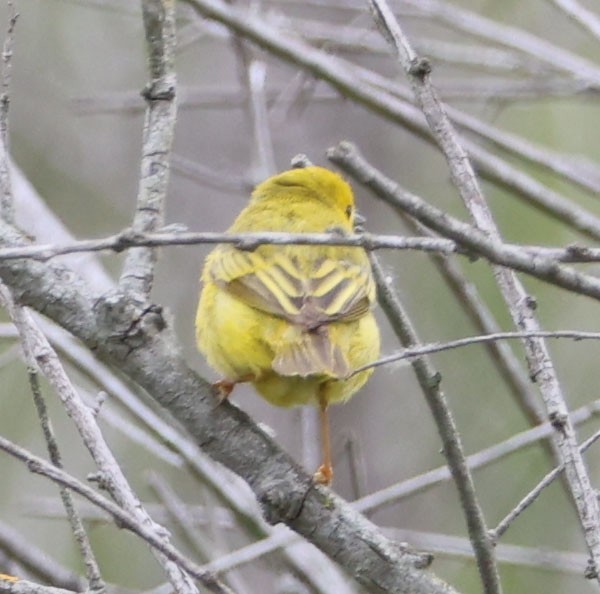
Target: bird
<point>296,321</point>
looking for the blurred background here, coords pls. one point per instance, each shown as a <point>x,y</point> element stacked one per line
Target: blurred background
<point>76,120</point>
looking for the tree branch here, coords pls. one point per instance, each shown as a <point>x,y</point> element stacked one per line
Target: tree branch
<point>430,379</point>
<point>159,126</point>
<point>43,468</point>
<point>538,357</point>
<point>136,340</point>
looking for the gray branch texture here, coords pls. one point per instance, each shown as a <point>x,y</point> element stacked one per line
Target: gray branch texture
<point>131,134</point>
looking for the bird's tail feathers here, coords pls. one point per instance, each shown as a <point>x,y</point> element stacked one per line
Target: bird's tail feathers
<point>311,353</point>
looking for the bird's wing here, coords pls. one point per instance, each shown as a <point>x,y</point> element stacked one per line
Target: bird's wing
<point>309,297</point>
<point>327,290</point>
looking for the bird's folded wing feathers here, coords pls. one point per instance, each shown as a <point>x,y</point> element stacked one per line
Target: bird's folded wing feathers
<point>331,290</point>
<point>325,291</point>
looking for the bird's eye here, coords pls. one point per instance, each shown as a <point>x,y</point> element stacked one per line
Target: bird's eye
<point>349,211</point>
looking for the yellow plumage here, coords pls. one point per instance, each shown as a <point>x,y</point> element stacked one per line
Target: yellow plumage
<point>294,320</point>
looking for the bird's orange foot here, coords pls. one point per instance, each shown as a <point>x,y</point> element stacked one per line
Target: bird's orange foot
<point>8,578</point>
<point>324,475</point>
<point>225,387</point>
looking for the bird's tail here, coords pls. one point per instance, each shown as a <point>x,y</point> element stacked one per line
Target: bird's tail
<point>312,352</point>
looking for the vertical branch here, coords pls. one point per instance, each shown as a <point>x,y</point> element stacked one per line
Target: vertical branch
<point>520,304</point>
<point>429,379</point>
<point>6,199</point>
<point>159,125</point>
<point>92,570</point>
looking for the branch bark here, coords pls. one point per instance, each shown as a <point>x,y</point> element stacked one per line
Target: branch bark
<point>135,339</point>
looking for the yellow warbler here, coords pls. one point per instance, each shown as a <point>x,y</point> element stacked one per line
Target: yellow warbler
<point>294,320</point>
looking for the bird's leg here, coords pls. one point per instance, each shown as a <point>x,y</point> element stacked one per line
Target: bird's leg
<point>324,474</point>
<point>225,387</point>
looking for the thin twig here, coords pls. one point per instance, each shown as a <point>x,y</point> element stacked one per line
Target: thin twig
<point>398,491</point>
<point>541,558</point>
<point>225,181</point>
<point>429,379</point>
<point>460,232</point>
<point>38,562</point>
<point>48,508</point>
<point>179,512</point>
<point>503,35</point>
<point>505,523</point>
<point>96,583</point>
<point>364,40</point>
<point>200,541</point>
<point>500,91</point>
<point>253,75</point>
<point>428,349</point>
<point>123,517</point>
<point>245,241</point>
<point>589,21</point>
<point>113,478</point>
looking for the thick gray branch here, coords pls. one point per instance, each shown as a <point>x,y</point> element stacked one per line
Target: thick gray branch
<point>136,341</point>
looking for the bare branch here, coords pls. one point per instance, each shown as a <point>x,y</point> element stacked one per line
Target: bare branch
<point>455,546</point>
<point>21,321</point>
<point>505,523</point>
<point>505,35</point>
<point>38,562</point>
<point>6,197</point>
<point>113,477</point>
<point>427,349</point>
<point>159,124</point>
<point>344,78</point>
<point>589,21</point>
<point>39,466</point>
<point>399,491</point>
<point>138,342</point>
<point>539,361</point>
<point>429,379</point>
<point>95,581</point>
<point>347,157</point>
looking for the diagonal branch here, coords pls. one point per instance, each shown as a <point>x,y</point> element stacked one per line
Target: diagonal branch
<point>137,341</point>
<point>429,379</point>
<point>110,473</point>
<point>43,468</point>
<point>519,303</point>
